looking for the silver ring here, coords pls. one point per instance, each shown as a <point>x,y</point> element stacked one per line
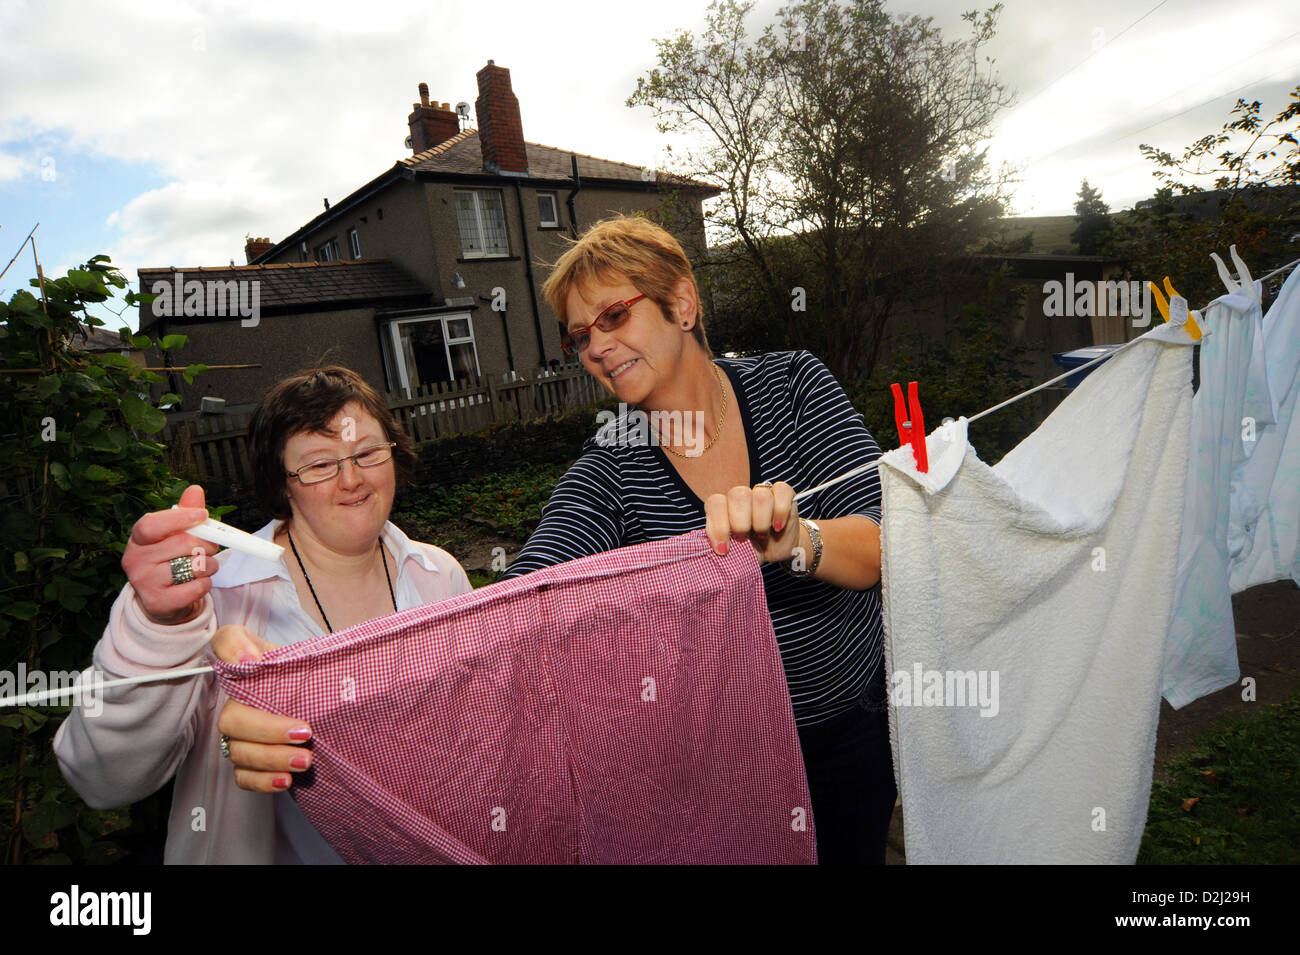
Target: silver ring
<point>182,569</point>
<point>225,746</point>
<point>763,484</point>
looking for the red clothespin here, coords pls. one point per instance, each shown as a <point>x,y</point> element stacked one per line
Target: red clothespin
<point>911,428</point>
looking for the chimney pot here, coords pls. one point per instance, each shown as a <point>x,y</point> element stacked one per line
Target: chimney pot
<point>500,129</point>
<point>431,123</point>
<point>254,247</point>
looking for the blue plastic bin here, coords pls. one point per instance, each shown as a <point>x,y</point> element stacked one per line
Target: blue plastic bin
<point>1081,356</point>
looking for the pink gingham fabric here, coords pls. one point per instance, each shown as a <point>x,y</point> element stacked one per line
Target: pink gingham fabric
<point>628,707</point>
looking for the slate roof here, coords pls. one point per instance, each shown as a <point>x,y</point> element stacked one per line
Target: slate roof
<point>98,339</point>
<point>292,285</point>
<point>462,155</point>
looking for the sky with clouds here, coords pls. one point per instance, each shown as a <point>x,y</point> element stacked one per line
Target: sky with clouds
<point>163,133</point>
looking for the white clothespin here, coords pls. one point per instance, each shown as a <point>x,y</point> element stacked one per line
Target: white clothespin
<point>1243,282</point>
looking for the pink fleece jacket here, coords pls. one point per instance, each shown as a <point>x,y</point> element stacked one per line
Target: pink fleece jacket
<point>147,734</point>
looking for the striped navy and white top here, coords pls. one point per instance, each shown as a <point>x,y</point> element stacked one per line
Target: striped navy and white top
<point>801,429</point>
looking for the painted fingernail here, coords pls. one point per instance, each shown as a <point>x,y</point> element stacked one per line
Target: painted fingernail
<point>722,549</point>
<point>248,658</point>
<point>301,732</point>
<point>280,782</point>
<point>299,762</point>
<point>778,525</point>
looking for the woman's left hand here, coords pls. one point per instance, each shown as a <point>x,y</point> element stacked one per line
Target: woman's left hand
<point>265,748</point>
<point>767,515</point>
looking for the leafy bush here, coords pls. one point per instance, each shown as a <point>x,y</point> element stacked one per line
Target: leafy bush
<point>80,469</point>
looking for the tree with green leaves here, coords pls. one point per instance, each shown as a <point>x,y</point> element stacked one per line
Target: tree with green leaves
<point>1093,218</point>
<point>847,142</point>
<point>80,467</point>
<point>1252,169</point>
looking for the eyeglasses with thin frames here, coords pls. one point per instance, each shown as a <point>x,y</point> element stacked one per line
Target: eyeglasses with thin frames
<point>323,470</point>
<point>610,319</point>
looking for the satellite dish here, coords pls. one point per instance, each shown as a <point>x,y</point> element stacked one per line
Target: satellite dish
<point>409,143</point>
<point>462,110</point>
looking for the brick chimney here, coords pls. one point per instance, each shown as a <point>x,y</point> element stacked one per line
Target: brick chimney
<point>432,124</point>
<point>255,247</point>
<point>500,132</point>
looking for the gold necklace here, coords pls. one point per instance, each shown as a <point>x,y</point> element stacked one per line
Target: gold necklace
<point>721,418</point>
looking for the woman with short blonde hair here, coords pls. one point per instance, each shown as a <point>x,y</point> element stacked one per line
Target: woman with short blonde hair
<point>729,442</point>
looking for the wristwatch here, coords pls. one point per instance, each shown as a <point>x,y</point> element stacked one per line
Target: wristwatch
<point>814,535</point>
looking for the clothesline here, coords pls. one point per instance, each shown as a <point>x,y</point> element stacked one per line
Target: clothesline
<point>987,411</point>
<point>94,686</point>
<point>1289,265</point>
<point>1012,400</point>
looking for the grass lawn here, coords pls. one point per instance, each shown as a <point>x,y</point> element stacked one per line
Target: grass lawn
<point>1234,799</point>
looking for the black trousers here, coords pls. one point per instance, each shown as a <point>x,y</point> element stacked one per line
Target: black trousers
<point>851,780</point>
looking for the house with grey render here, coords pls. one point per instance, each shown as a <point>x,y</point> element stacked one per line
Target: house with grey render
<point>430,272</point>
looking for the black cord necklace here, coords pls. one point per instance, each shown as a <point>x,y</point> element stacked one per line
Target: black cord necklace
<point>307,577</point>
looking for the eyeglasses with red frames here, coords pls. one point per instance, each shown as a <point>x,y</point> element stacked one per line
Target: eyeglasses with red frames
<point>611,318</point>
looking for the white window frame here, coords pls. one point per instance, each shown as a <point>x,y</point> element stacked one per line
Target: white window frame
<point>479,219</point>
<point>354,240</point>
<point>395,357</point>
<point>554,221</point>
<point>329,252</point>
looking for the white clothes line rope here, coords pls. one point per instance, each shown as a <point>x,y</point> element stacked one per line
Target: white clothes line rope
<point>87,687</point>
<point>1289,265</point>
<point>987,411</point>
<point>1024,394</point>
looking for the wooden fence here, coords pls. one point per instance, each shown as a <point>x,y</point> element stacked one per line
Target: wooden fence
<point>216,446</point>
<point>447,408</point>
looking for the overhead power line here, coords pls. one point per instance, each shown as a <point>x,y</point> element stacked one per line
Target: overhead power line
<point>1141,129</point>
<point>1044,89</point>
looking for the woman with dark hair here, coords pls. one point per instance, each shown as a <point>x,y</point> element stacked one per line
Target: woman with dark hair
<point>327,458</point>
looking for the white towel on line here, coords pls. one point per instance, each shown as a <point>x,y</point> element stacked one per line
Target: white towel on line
<point>991,571</point>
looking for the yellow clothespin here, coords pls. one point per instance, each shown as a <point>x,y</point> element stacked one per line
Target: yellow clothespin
<point>1192,328</point>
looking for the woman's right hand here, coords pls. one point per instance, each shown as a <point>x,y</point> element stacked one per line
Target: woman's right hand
<point>158,538</point>
<point>266,748</point>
